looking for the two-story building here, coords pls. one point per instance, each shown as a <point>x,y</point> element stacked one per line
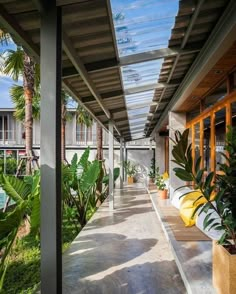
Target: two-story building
<point>78,137</point>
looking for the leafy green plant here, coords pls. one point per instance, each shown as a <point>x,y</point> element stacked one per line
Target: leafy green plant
<point>152,171</point>
<point>11,166</point>
<point>105,181</point>
<point>130,168</point>
<point>26,195</point>
<point>221,188</point>
<point>79,184</point>
<point>116,173</point>
<point>160,183</point>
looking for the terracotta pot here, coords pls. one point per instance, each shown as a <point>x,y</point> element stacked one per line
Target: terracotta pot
<point>130,180</point>
<point>223,270</point>
<point>162,194</point>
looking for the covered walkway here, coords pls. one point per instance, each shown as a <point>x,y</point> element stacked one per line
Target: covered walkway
<point>122,251</point>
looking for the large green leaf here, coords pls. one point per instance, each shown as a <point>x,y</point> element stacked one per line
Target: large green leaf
<point>74,161</point>
<point>35,214</point>
<point>11,220</point>
<point>84,159</point>
<point>89,177</point>
<point>183,174</point>
<point>116,176</point>
<point>15,188</point>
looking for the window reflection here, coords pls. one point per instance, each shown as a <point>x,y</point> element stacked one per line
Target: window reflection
<point>206,144</point>
<point>197,141</point>
<point>220,130</point>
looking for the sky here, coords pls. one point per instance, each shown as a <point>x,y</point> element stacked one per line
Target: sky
<point>5,82</point>
<point>142,26</point>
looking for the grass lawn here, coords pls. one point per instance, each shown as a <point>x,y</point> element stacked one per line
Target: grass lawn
<point>23,273</point>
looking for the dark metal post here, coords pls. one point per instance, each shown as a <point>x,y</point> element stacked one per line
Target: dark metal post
<point>50,153</point>
<point>121,163</point>
<point>111,165</point>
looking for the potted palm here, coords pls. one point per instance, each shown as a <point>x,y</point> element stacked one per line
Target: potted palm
<point>222,189</point>
<point>130,171</point>
<point>161,186</point>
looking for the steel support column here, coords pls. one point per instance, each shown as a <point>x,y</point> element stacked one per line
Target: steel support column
<point>121,163</point>
<point>125,159</point>
<point>50,65</point>
<point>111,165</point>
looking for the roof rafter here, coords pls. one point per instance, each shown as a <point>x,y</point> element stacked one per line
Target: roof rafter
<point>121,109</point>
<point>157,54</point>
<point>220,39</point>
<point>106,95</point>
<point>151,87</point>
<point>91,67</point>
<point>78,64</point>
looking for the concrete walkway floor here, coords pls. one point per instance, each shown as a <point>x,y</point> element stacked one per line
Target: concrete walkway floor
<point>122,251</point>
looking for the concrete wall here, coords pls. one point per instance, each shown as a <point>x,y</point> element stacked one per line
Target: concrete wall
<point>140,157</point>
<point>177,121</point>
<point>160,153</point>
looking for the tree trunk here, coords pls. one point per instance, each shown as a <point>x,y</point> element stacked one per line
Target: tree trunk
<point>99,142</point>
<point>28,84</point>
<point>63,133</point>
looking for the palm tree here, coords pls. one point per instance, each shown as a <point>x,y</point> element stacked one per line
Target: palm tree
<point>17,63</point>
<point>18,99</point>
<point>99,142</point>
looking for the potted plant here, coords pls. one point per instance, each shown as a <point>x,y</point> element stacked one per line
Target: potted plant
<point>130,170</point>
<point>222,189</point>
<point>161,186</point>
<point>152,171</point>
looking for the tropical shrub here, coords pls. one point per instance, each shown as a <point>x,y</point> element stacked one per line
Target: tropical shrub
<point>220,188</point>
<point>25,193</point>
<point>130,168</point>
<point>79,185</point>
<point>160,182</point>
<point>152,170</point>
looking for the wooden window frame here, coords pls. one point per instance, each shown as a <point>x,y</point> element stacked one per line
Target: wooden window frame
<point>226,103</point>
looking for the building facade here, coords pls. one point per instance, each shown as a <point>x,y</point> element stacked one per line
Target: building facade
<point>78,137</point>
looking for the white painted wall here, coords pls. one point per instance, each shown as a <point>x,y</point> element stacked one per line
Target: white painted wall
<point>177,121</point>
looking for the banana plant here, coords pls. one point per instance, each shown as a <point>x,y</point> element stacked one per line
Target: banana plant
<point>79,185</point>
<point>26,195</point>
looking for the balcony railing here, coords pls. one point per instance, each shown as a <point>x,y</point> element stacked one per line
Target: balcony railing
<point>7,137</point>
<point>81,139</point>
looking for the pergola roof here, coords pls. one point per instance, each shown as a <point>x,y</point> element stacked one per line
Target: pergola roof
<point>93,67</point>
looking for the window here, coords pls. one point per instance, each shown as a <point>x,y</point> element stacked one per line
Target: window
<point>220,130</point>
<point>206,142</point>
<point>218,94</point>
<point>84,135</point>
<point>4,127</point>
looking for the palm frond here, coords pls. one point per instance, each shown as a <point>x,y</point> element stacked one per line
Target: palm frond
<point>13,63</point>
<point>18,99</point>
<point>83,117</point>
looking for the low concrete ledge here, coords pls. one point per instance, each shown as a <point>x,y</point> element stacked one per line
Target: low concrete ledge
<point>193,258</point>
